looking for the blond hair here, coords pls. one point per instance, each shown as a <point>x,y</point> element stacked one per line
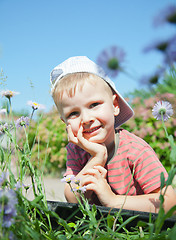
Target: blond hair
<point>72,82</point>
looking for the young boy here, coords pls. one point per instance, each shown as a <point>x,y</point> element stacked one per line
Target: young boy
<point>118,168</point>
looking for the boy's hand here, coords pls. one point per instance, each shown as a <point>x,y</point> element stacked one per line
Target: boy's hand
<point>95,149</point>
<point>95,180</point>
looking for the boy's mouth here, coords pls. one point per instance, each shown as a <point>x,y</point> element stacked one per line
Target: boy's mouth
<point>91,130</point>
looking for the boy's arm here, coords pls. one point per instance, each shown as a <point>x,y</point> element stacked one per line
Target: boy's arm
<point>147,202</point>
<point>98,158</point>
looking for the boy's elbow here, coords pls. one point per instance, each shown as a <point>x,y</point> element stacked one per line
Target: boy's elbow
<point>169,199</point>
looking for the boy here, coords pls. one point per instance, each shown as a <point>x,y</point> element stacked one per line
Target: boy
<point>118,168</point>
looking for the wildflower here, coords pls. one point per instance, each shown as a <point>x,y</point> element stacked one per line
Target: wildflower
<point>17,185</point>
<point>68,179</point>
<point>77,181</point>
<point>35,105</point>
<point>8,201</point>
<point>8,93</point>
<point>170,53</point>
<point>3,128</point>
<point>162,109</point>
<point>168,14</point>
<point>22,122</point>
<point>27,186</point>
<point>3,178</point>
<point>157,45</point>
<point>3,111</point>
<point>79,189</point>
<point>152,79</point>
<point>111,59</point>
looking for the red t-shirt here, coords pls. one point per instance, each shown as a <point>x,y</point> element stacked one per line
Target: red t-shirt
<point>134,169</point>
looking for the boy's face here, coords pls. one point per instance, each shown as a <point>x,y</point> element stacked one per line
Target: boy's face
<point>94,108</point>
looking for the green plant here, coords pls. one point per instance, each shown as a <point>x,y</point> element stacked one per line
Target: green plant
<point>145,126</point>
<point>48,138</point>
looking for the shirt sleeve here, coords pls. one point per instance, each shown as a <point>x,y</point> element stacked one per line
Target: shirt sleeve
<point>148,169</point>
<point>76,159</point>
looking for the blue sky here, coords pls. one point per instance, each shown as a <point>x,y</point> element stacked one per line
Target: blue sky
<point>37,35</point>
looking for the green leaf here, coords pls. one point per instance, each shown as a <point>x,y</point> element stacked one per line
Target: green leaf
<point>171,176</point>
<point>37,199</point>
<point>110,220</point>
<point>171,140</point>
<point>162,180</point>
<point>173,155</point>
<point>126,222</point>
<point>72,225</point>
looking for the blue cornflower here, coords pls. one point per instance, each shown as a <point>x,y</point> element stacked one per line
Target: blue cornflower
<point>162,109</point>
<point>111,60</point>
<point>8,201</point>
<point>22,122</point>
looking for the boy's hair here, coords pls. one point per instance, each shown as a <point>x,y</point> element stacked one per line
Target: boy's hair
<point>75,81</point>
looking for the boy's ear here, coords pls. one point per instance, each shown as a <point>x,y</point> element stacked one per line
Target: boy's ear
<point>116,104</point>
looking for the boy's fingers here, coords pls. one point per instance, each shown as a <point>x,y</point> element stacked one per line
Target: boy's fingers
<point>102,170</point>
<point>71,137</point>
<point>92,172</point>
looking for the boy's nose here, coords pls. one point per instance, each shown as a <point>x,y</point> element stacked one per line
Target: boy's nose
<point>86,118</point>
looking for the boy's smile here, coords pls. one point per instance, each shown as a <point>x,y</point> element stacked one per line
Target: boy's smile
<point>94,108</point>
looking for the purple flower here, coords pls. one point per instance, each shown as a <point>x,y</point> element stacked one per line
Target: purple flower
<point>170,54</point>
<point>111,60</point>
<point>35,105</point>
<point>68,179</point>
<point>22,122</point>
<point>77,181</point>
<point>162,109</point>
<point>3,111</point>
<point>18,185</point>
<point>160,45</point>
<point>8,201</point>
<point>3,128</point>
<point>3,177</point>
<point>152,79</point>
<point>79,189</point>
<point>167,47</point>
<point>168,14</point>
<point>8,93</point>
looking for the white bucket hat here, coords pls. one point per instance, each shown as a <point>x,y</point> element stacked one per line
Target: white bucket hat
<point>84,64</point>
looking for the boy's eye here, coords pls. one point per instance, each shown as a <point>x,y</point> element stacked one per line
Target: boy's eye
<point>94,104</point>
<point>73,114</point>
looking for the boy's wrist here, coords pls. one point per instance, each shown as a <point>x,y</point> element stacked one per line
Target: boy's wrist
<point>100,157</point>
